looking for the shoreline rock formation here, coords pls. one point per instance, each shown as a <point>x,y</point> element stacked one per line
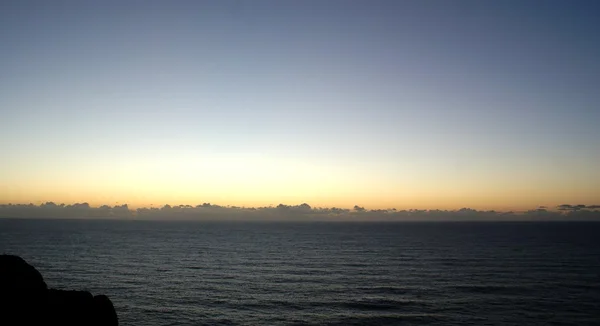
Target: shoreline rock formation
<point>25,299</point>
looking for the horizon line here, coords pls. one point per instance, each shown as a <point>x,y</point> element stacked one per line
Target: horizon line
<point>304,206</point>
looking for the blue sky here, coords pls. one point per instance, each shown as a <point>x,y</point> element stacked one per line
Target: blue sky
<point>383,103</point>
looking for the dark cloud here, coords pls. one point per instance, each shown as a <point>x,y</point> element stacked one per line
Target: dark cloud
<point>53,210</point>
<point>302,212</point>
<point>574,208</point>
<point>358,208</point>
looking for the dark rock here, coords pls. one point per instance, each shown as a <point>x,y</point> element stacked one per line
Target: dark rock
<point>26,300</point>
<point>105,311</point>
<point>17,274</point>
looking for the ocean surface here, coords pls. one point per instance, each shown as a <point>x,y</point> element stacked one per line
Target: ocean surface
<point>431,273</point>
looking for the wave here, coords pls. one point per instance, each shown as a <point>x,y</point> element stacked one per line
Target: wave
<point>491,289</point>
<point>380,304</point>
<point>393,319</point>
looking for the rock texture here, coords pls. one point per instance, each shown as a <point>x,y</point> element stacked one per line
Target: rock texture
<point>26,300</point>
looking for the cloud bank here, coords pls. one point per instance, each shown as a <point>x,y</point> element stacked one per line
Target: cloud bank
<point>282,212</point>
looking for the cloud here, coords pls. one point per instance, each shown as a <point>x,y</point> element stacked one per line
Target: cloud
<point>284,212</point>
<point>53,210</point>
<point>574,208</point>
<point>358,208</point>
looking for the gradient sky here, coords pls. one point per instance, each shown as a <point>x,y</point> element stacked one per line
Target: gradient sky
<point>406,104</point>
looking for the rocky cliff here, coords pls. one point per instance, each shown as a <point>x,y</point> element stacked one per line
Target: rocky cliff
<point>25,299</point>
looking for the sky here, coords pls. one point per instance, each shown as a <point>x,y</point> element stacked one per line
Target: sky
<point>404,104</point>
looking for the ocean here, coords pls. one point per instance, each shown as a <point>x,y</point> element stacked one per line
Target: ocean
<point>265,273</point>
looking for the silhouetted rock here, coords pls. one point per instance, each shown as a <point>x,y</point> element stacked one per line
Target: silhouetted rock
<point>26,300</point>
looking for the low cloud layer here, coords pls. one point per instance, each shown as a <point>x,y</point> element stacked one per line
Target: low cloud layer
<point>282,212</point>
<point>574,208</point>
